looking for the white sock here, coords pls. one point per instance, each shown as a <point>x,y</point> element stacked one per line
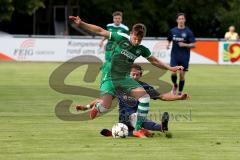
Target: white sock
<point>101,108</point>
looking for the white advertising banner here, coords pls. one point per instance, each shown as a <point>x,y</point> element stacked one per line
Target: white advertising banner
<point>21,49</point>
<point>60,50</point>
<point>41,49</point>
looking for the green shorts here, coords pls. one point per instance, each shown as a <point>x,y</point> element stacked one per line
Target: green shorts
<point>125,84</point>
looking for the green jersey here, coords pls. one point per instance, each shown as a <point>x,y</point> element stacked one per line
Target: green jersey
<point>113,28</point>
<point>109,47</point>
<point>123,56</point>
<point>121,28</point>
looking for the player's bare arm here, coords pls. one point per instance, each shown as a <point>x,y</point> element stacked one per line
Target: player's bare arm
<point>171,97</point>
<point>187,45</point>
<point>90,27</point>
<point>154,61</point>
<point>168,44</point>
<point>101,42</point>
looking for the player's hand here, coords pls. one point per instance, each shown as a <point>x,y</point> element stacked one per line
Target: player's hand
<point>181,44</point>
<point>76,20</point>
<point>176,68</point>
<point>168,46</point>
<point>185,96</point>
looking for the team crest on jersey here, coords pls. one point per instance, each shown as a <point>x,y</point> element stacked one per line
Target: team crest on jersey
<point>124,44</point>
<point>184,35</point>
<point>138,52</point>
<point>129,101</point>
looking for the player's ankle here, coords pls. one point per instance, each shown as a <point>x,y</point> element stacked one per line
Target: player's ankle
<point>101,108</point>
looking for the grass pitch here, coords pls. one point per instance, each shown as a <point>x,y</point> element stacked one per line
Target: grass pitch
<point>205,127</point>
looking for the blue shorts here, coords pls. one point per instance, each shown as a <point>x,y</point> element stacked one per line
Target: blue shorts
<point>180,62</point>
<point>124,116</point>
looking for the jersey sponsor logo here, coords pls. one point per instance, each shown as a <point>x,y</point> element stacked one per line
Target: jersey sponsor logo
<point>128,54</point>
<point>178,39</point>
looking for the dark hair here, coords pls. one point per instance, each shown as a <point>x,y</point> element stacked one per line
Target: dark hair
<point>137,67</point>
<point>139,29</point>
<point>180,14</point>
<point>117,13</point>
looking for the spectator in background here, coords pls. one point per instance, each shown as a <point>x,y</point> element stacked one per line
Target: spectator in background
<point>231,35</point>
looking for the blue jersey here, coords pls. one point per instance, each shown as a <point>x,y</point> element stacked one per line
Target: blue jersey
<point>180,35</point>
<point>128,105</point>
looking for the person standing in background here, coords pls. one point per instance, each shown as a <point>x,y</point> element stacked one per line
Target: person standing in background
<point>116,26</point>
<point>183,40</point>
<point>231,35</point>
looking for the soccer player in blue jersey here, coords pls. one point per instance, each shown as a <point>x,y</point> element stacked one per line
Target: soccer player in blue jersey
<point>183,40</point>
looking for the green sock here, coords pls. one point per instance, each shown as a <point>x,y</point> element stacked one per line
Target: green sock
<point>142,113</point>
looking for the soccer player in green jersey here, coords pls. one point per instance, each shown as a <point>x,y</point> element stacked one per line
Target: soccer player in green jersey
<point>124,52</point>
<point>116,26</point>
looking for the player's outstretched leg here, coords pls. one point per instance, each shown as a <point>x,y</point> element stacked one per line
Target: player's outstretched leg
<point>101,106</point>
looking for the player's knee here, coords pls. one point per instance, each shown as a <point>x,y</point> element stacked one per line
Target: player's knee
<point>106,102</point>
<point>174,74</point>
<point>106,105</point>
<point>182,78</point>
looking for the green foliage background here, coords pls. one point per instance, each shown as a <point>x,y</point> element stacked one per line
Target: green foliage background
<point>207,18</point>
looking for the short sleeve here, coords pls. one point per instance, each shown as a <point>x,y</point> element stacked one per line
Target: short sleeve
<point>126,31</point>
<point>146,53</point>
<point>191,37</point>
<point>117,36</point>
<point>153,93</point>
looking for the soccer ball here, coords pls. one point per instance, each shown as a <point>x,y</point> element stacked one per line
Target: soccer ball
<point>119,130</point>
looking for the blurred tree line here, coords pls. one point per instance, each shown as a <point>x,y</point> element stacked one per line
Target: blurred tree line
<point>207,18</point>
<point>8,7</point>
